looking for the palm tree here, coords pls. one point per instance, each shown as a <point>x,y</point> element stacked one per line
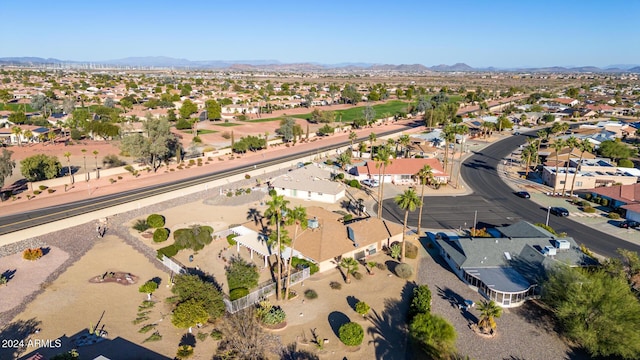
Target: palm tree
<point>17,131</point>
<point>352,137</point>
<point>426,176</point>
<point>404,140</point>
<point>351,265</point>
<point>28,134</point>
<point>362,147</point>
<point>95,155</point>
<point>68,156</point>
<point>372,140</point>
<point>266,139</point>
<point>299,216</point>
<point>489,312</point>
<point>584,146</point>
<point>461,130</point>
<point>275,213</point>
<point>543,135</point>
<point>383,159</point>
<point>528,153</point>
<point>407,201</point>
<point>344,159</point>
<point>84,156</point>
<point>572,143</point>
<point>558,145</point>
<point>449,136</point>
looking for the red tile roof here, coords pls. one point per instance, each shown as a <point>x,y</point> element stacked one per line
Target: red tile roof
<point>627,193</point>
<point>403,166</point>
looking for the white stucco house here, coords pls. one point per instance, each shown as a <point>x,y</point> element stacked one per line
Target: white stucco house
<point>309,183</point>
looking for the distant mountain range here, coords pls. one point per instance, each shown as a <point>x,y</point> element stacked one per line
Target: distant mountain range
<point>274,65</point>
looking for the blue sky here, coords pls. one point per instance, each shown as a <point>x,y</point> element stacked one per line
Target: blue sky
<point>479,33</point>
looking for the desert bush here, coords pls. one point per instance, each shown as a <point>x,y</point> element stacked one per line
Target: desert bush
<point>241,274</point>
<point>3,279</point>
<point>185,351</point>
<point>347,217</point>
<point>160,235</point>
<point>273,192</point>
<point>247,191</point>
<point>298,263</point>
<point>239,192</point>
<point>230,239</point>
<point>32,254</point>
<point>404,271</point>
<point>145,329</point>
<point>168,251</point>
<point>604,202</point>
<point>588,196</point>
<point>141,225</point>
<point>589,209</point>
<point>355,184</point>
<point>238,293</point>
<point>154,337</point>
<point>230,194</point>
<point>155,220</point>
<point>42,187</point>
<point>420,301</point>
<point>51,191</point>
<point>411,250</point>
<point>37,192</point>
<point>111,161</point>
<point>613,215</point>
<point>351,334</point>
<point>216,334</point>
<point>381,266</point>
<point>247,176</point>
<point>274,316</point>
<point>310,294</point>
<point>202,336</point>
<point>335,285</point>
<point>362,308</point>
<point>357,275</point>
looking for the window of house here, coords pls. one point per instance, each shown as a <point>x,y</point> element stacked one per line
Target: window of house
<point>309,193</point>
<point>578,183</point>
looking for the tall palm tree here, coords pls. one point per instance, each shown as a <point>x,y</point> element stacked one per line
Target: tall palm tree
<point>277,208</point>
<point>299,216</point>
<point>528,153</point>
<point>426,177</point>
<point>449,136</point>
<point>382,159</point>
<point>84,156</point>
<point>28,134</point>
<point>404,140</point>
<point>344,159</point>
<point>407,201</point>
<point>584,146</point>
<point>362,147</point>
<point>352,137</point>
<point>572,143</point>
<point>17,131</point>
<point>372,140</point>
<point>557,146</point>
<point>95,156</point>
<point>461,130</point>
<point>543,135</point>
<point>489,311</point>
<point>351,265</point>
<point>68,156</point>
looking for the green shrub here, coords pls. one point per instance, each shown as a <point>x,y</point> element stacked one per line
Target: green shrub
<point>546,227</point>
<point>613,215</point>
<point>37,192</point>
<point>347,217</point>
<point>604,202</point>
<point>238,293</point>
<point>351,334</point>
<point>273,192</point>
<point>51,191</point>
<point>588,196</point>
<point>404,271</point>
<point>42,187</point>
<point>247,191</point>
<point>310,294</point>
<point>626,163</point>
<point>202,336</point>
<point>355,184</point>
<point>247,176</point>
<point>160,235</point>
<point>298,263</point>
<point>357,275</point>
<point>340,176</point>
<point>230,239</point>
<point>241,274</point>
<point>411,250</point>
<point>420,301</point>
<point>154,337</point>
<point>381,266</point>
<point>589,209</point>
<point>130,169</point>
<point>145,329</point>
<point>216,334</point>
<point>362,308</point>
<point>155,220</point>
<point>230,194</point>
<point>185,351</point>
<point>168,251</point>
<point>335,285</point>
<point>274,316</point>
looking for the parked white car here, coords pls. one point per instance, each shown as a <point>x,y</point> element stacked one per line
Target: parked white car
<point>370,183</point>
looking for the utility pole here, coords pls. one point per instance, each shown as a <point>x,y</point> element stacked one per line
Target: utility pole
<point>475,221</point>
<point>548,212</point>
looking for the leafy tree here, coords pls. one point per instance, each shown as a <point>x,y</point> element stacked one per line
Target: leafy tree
<point>289,129</point>
<point>325,130</point>
<point>148,288</point>
<point>40,167</point>
<point>6,166</point>
<point>504,123</point>
<point>18,117</point>
<point>192,287</point>
<point>42,103</point>
<point>214,109</point>
<point>241,274</point>
<point>595,309</point>
<point>351,265</point>
<point>369,114</point>
<point>5,97</point>
<point>188,108</point>
<point>420,301</point>
<point>189,313</point>
<point>351,95</point>
<point>244,337</point>
<point>615,149</point>
<point>158,145</point>
<point>433,334</point>
<point>407,201</point>
<point>573,92</point>
<point>110,103</point>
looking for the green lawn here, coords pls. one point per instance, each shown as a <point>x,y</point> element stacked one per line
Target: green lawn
<point>14,107</point>
<point>226,124</point>
<point>200,132</point>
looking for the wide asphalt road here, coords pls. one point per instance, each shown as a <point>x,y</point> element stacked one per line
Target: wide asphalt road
<point>496,204</point>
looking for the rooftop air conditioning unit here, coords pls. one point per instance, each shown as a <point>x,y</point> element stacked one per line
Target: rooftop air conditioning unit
<point>313,223</point>
<point>562,244</point>
<point>549,251</point>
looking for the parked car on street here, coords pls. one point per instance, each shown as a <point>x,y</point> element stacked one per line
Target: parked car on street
<point>523,194</point>
<point>629,224</point>
<point>371,182</point>
<point>559,211</point>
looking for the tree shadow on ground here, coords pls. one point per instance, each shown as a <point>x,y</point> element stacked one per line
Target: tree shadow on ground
<point>188,339</point>
<point>337,319</point>
<point>157,280</point>
<point>9,274</point>
<point>291,352</point>
<point>389,327</point>
<point>17,331</point>
<point>457,301</point>
<point>352,301</point>
<point>391,265</point>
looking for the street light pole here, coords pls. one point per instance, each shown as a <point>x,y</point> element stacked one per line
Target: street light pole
<point>548,212</point>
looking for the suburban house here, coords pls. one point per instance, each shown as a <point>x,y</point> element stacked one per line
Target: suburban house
<point>328,239</point>
<point>506,267</point>
<point>593,173</point>
<point>401,171</point>
<point>625,197</point>
<point>309,183</point>
<point>7,135</point>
